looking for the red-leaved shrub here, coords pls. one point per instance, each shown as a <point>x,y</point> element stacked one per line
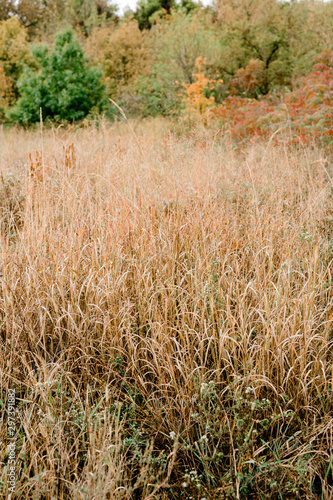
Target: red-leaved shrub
<point>304,115</point>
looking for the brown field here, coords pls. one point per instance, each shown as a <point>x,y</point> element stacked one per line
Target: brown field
<point>166,316</point>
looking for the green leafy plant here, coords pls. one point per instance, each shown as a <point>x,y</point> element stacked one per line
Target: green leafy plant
<point>65,87</point>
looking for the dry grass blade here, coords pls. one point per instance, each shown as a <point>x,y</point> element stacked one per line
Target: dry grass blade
<point>166,317</point>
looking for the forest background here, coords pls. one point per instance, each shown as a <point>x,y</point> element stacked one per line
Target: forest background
<point>253,66</point>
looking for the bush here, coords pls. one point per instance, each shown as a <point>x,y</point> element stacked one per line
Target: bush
<point>65,88</point>
<point>305,113</point>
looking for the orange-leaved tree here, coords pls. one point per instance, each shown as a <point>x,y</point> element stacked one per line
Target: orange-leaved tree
<point>199,99</point>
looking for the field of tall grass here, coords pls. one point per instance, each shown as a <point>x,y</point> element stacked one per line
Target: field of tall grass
<point>166,316</point>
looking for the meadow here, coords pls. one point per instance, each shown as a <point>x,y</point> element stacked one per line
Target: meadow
<point>166,315</point>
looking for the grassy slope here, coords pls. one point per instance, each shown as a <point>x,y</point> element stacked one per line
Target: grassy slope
<point>166,317</point>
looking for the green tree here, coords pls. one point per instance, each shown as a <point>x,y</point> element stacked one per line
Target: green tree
<point>257,30</point>
<point>65,87</point>
<point>175,44</point>
<point>317,35</point>
<point>265,44</point>
<point>88,14</point>
<point>148,9</point>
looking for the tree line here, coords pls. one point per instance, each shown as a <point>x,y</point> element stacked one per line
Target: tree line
<point>146,58</point>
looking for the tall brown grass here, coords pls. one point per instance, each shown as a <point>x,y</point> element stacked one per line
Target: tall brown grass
<point>166,316</point>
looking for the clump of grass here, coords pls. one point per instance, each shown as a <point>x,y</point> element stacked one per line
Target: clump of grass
<point>166,321</point>
<point>11,204</point>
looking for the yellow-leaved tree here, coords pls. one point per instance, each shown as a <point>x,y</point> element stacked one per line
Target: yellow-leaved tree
<point>14,55</point>
<point>122,54</point>
<point>199,99</point>
<point>6,92</point>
